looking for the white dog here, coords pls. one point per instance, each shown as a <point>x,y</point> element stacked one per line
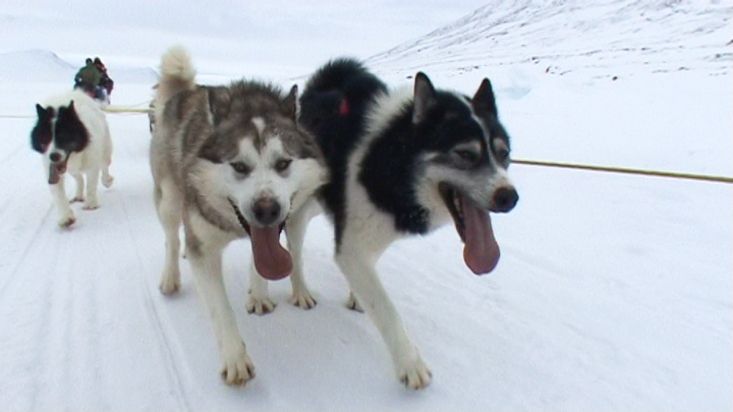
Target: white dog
<point>72,135</point>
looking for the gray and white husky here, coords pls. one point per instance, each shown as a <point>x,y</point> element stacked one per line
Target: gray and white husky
<point>403,164</point>
<point>230,162</point>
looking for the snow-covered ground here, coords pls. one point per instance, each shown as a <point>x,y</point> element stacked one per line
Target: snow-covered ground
<point>613,293</point>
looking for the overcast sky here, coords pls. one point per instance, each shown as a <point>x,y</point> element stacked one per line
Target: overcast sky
<point>275,37</point>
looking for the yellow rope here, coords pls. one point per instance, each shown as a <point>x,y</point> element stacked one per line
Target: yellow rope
<point>623,170</point>
<point>108,109</point>
<point>15,116</point>
<point>126,109</point>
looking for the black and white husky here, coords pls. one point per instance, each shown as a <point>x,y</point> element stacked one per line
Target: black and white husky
<point>230,162</point>
<point>401,164</point>
<point>72,134</point>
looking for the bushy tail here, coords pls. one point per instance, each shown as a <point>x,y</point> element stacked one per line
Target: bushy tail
<point>336,75</point>
<point>177,74</point>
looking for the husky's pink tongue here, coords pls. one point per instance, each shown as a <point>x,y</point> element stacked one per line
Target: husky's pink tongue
<point>480,252</point>
<point>272,261</point>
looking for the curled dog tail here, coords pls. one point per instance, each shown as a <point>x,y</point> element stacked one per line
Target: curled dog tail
<point>177,74</point>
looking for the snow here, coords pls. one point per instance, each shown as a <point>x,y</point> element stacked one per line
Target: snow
<point>613,292</point>
<point>602,39</point>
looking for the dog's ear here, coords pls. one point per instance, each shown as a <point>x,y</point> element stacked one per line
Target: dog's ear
<point>74,130</point>
<point>219,102</point>
<point>209,151</point>
<point>425,98</point>
<point>483,101</point>
<point>290,103</point>
<point>68,109</point>
<point>41,134</point>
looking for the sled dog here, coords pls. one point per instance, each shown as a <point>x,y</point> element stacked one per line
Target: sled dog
<point>72,135</point>
<point>230,162</point>
<point>404,163</point>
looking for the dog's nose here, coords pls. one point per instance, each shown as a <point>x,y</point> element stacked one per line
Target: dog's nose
<point>266,211</point>
<point>505,199</point>
<point>55,157</point>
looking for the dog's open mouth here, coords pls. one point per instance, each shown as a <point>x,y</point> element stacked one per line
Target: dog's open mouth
<point>473,224</point>
<point>272,261</point>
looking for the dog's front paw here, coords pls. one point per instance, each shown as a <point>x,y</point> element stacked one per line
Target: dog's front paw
<point>169,284</point>
<point>303,299</point>
<point>76,199</point>
<point>107,181</point>
<point>414,373</point>
<point>238,368</point>
<point>91,204</point>
<point>260,305</point>
<point>353,304</point>
<point>67,220</point>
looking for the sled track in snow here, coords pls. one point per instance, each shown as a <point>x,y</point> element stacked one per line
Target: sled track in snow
<point>34,239</point>
<point>164,347</point>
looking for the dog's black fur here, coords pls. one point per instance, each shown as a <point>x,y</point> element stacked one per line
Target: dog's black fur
<point>333,108</point>
<point>67,132</point>
<point>388,170</point>
<point>42,132</point>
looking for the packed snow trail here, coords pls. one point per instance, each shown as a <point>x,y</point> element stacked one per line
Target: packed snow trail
<point>612,299</point>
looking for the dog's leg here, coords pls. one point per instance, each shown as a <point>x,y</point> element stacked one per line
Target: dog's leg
<point>66,215</point>
<point>296,226</point>
<point>79,194</point>
<point>107,178</point>
<point>237,368</point>
<point>362,277</point>
<point>259,301</point>
<point>353,304</point>
<point>92,202</point>
<point>168,204</point>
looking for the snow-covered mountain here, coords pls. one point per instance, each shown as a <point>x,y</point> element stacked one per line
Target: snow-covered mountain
<point>46,66</point>
<point>28,64</point>
<point>607,38</point>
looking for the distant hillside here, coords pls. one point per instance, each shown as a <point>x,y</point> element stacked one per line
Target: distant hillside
<point>603,38</point>
<point>34,65</point>
<point>47,66</point>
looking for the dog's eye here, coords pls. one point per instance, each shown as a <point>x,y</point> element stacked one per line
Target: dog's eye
<point>240,167</point>
<point>468,155</point>
<point>502,154</point>
<point>501,150</point>
<point>283,165</point>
